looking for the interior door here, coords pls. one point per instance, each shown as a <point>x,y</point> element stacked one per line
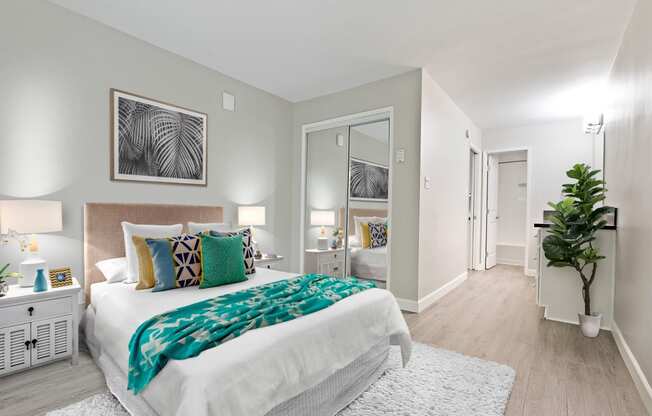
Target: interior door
<point>492,210</point>
<point>470,226</point>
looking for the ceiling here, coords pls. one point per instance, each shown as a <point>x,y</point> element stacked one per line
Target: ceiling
<point>504,62</point>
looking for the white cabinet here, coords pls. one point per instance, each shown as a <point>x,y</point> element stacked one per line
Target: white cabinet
<point>14,348</point>
<point>329,262</point>
<point>36,328</point>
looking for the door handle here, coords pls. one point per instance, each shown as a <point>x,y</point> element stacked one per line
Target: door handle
<point>27,345</point>
<point>30,310</point>
<point>34,341</point>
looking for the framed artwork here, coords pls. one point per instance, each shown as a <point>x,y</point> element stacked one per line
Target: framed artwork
<point>152,141</point>
<point>368,181</point>
<point>60,277</point>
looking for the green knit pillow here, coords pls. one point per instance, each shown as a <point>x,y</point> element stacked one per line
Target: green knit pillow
<point>222,261</point>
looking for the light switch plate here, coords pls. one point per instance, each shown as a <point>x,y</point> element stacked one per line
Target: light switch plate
<point>400,155</point>
<point>427,183</point>
<point>228,101</point>
<point>340,139</point>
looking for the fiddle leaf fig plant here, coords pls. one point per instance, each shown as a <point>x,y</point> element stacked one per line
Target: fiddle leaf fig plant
<point>575,222</point>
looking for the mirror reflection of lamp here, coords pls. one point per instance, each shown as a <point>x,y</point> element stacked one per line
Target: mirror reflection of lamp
<point>323,219</point>
<point>21,218</point>
<point>249,217</point>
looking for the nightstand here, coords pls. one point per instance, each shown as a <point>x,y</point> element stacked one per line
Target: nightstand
<point>330,262</point>
<point>274,263</point>
<point>38,327</point>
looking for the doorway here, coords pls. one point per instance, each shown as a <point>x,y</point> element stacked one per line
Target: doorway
<point>507,204</point>
<point>473,209</point>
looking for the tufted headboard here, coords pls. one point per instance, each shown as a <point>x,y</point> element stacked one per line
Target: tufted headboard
<point>103,237</point>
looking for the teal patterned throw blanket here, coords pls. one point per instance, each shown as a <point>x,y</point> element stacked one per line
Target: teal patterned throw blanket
<point>187,331</point>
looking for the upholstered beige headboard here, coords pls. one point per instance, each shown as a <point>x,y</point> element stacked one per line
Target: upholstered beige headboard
<point>103,238</point>
<point>359,212</point>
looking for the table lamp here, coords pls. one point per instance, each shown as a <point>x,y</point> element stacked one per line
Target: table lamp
<point>22,217</point>
<point>322,219</point>
<point>251,216</point>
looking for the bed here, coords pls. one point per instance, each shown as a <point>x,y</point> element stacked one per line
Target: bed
<point>314,365</point>
<point>366,263</point>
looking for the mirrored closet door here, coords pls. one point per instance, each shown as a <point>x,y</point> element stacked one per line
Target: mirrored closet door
<point>346,222</point>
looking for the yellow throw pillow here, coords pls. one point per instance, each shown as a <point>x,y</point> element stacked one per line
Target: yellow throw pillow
<point>145,266</point>
<point>365,237</point>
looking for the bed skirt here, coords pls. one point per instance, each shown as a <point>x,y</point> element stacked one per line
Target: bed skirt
<point>325,399</point>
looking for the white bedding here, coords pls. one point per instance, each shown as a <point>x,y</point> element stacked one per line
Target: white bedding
<point>369,263</point>
<point>251,374</point>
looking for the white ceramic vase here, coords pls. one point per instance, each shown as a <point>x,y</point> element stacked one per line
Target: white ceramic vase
<point>590,325</point>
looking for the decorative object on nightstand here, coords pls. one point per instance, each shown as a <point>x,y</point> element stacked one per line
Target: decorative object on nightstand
<point>60,277</point>
<point>322,219</point>
<point>4,275</point>
<point>329,262</point>
<point>269,261</point>
<point>250,216</point>
<point>40,282</point>
<point>22,216</point>
<point>36,328</point>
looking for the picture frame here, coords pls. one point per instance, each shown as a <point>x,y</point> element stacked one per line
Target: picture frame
<point>156,142</point>
<point>60,277</point>
<point>368,181</point>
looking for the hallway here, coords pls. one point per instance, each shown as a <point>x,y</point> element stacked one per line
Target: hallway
<point>493,315</point>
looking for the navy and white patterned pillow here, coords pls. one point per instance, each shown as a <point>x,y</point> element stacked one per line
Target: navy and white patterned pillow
<point>248,251</point>
<point>186,256</point>
<point>377,234</point>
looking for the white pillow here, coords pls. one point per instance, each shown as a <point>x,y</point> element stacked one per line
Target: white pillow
<point>114,270</point>
<point>146,231</point>
<point>199,227</point>
<point>357,221</point>
<point>354,241</point>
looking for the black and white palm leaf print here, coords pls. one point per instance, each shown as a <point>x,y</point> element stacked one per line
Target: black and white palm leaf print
<point>154,141</point>
<point>368,181</point>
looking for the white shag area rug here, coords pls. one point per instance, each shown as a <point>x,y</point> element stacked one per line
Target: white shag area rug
<point>435,382</point>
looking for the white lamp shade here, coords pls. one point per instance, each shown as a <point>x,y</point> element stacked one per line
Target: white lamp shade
<point>322,218</point>
<point>251,215</point>
<point>29,216</point>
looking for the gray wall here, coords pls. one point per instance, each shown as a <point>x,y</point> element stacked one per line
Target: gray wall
<point>56,69</point>
<point>403,93</point>
<point>628,154</point>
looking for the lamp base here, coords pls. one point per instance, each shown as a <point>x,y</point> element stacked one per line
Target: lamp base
<point>322,243</point>
<point>28,270</point>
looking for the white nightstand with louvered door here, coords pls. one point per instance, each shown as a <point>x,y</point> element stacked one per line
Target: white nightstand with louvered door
<point>36,328</point>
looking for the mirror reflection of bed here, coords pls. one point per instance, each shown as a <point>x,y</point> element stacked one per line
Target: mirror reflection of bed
<point>368,263</point>
<point>346,218</point>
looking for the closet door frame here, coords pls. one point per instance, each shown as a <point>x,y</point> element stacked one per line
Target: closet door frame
<point>385,113</point>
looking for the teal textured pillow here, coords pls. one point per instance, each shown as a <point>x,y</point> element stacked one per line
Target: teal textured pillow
<point>222,261</point>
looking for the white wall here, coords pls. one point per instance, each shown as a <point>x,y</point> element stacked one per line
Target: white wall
<point>403,93</point>
<point>628,169</point>
<point>552,149</point>
<point>443,208</point>
<point>55,76</point>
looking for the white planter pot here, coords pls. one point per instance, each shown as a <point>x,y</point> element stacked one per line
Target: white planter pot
<point>590,324</point>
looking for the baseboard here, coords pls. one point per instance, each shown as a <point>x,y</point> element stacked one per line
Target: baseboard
<point>604,326</point>
<point>410,305</point>
<point>433,297</point>
<point>531,272</point>
<point>509,262</point>
<point>641,382</point>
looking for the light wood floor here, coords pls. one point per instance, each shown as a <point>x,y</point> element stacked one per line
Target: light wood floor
<point>492,316</point>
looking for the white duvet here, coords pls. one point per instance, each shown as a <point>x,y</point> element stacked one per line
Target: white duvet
<point>251,374</point>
